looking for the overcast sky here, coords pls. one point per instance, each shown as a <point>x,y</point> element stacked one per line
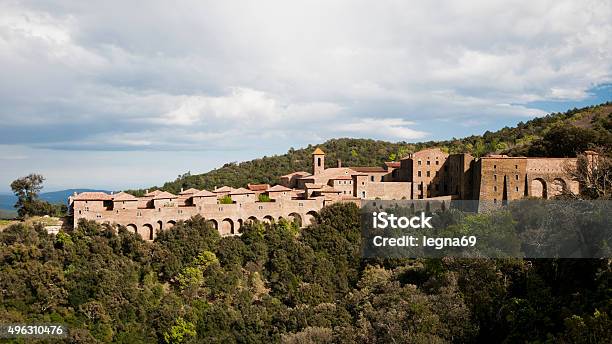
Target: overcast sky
<point>115,95</point>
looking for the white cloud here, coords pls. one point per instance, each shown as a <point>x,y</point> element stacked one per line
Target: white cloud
<point>244,106</point>
<point>394,128</point>
<point>187,75</point>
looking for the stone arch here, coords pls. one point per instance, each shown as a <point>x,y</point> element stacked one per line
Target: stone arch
<point>160,225</point>
<point>239,224</point>
<point>310,217</point>
<point>252,219</point>
<point>146,232</point>
<point>538,188</point>
<point>268,219</point>
<point>227,227</point>
<point>132,228</point>
<point>296,218</point>
<point>213,223</point>
<point>170,224</point>
<point>558,187</point>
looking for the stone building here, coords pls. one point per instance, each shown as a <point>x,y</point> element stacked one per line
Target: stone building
<point>426,174</point>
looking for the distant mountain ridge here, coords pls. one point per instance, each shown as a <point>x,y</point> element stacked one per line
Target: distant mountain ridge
<point>7,200</point>
<point>520,140</point>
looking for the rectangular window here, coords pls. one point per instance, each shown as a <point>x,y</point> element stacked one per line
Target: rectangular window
<point>371,178</point>
<point>428,162</point>
<point>419,173</point>
<point>428,174</point>
<point>517,189</point>
<point>419,162</point>
<point>516,177</point>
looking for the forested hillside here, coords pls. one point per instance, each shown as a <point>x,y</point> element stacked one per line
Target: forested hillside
<point>558,134</point>
<point>277,283</point>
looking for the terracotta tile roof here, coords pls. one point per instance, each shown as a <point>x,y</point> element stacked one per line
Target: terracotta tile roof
<point>368,169</point>
<point>164,195</point>
<point>329,189</point>
<point>318,151</point>
<point>204,193</point>
<point>427,150</point>
<point>313,186</point>
<point>223,189</point>
<point>300,173</point>
<point>394,164</point>
<point>341,178</point>
<point>258,187</point>
<point>277,188</point>
<point>124,196</point>
<point>93,196</point>
<point>241,191</point>
<point>153,193</point>
<point>189,191</point>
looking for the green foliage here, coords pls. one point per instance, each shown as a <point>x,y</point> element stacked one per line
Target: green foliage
<point>276,282</point>
<point>27,189</point>
<point>264,198</point>
<point>227,199</point>
<point>180,331</point>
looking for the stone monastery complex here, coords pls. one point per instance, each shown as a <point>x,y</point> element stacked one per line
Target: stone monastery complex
<point>426,174</point>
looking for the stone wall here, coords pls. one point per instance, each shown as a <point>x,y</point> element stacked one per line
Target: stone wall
<point>388,190</point>
<point>228,218</point>
<point>548,177</point>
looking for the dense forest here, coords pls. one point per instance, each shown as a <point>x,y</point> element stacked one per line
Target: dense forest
<point>279,283</point>
<point>557,134</point>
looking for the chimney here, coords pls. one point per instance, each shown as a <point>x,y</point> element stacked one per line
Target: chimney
<point>146,191</point>
<point>339,163</point>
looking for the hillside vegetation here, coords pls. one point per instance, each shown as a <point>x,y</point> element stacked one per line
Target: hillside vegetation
<point>278,283</point>
<point>558,134</point>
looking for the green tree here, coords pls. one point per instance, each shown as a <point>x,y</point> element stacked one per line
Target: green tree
<point>264,198</point>
<point>227,199</point>
<point>26,189</point>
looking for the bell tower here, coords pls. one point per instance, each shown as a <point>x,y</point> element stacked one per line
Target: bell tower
<point>318,161</point>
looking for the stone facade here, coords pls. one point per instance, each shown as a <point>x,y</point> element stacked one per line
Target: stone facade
<point>427,174</point>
